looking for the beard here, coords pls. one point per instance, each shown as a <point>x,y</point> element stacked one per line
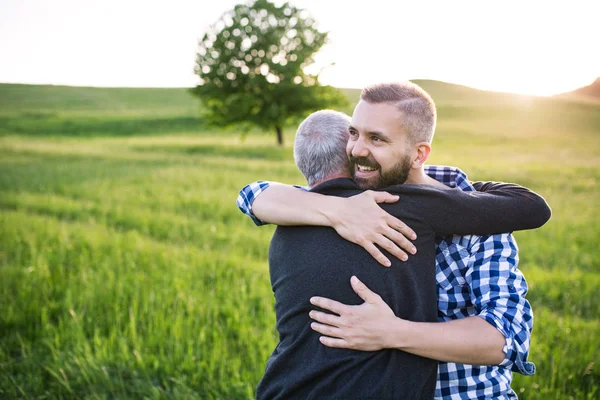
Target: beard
<point>396,175</point>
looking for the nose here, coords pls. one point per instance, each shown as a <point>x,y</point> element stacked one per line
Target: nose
<point>359,148</point>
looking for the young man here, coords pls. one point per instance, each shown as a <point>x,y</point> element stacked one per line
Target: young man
<point>484,318</point>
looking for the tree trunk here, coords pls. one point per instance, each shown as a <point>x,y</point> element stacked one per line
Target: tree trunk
<point>279,135</point>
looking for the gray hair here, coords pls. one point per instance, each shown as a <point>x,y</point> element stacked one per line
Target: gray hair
<point>320,145</point>
<point>415,104</point>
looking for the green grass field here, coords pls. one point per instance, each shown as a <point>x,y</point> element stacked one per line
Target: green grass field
<point>126,270</point>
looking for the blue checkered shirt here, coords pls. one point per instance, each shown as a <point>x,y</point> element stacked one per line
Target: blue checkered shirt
<point>476,276</point>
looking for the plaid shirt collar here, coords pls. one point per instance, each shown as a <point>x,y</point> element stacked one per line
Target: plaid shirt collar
<point>449,176</point>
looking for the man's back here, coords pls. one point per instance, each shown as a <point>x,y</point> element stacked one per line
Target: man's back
<point>315,261</point>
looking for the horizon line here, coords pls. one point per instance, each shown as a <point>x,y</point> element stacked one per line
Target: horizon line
<point>352,88</point>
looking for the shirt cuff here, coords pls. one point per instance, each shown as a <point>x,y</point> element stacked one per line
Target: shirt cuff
<point>513,359</point>
<point>247,197</point>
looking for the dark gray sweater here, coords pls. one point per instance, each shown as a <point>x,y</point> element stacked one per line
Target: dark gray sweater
<point>308,261</point>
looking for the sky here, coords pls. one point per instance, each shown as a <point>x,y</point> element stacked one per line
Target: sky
<point>527,46</point>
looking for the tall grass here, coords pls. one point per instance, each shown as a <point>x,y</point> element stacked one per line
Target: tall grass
<point>126,270</point>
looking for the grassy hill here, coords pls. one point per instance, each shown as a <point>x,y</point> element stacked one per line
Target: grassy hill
<point>590,92</point>
<point>126,270</point>
<point>51,98</point>
<point>80,111</point>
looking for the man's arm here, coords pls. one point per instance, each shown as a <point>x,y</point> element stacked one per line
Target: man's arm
<point>357,219</point>
<point>373,326</point>
<point>498,334</point>
<point>498,291</point>
<point>539,209</point>
<point>502,207</point>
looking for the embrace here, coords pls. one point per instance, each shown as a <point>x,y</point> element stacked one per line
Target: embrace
<point>392,279</point>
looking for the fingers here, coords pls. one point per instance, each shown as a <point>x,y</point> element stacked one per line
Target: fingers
<point>383,197</point>
<point>391,247</point>
<point>401,227</point>
<point>326,330</point>
<point>400,241</point>
<point>377,254</point>
<point>332,342</point>
<point>374,229</point>
<point>390,241</point>
<point>363,291</point>
<point>328,304</point>
<point>325,318</point>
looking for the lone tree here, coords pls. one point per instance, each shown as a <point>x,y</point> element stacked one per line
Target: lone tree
<point>251,67</point>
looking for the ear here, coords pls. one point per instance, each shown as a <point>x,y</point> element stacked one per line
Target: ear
<point>423,150</point>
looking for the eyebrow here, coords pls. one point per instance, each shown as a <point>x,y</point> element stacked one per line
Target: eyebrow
<point>380,134</point>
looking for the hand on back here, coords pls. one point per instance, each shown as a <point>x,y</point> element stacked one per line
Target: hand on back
<point>360,220</point>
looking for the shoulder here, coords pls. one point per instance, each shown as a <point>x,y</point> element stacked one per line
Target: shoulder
<point>335,185</point>
<point>419,189</point>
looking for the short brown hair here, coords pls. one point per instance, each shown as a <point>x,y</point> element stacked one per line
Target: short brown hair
<point>415,104</point>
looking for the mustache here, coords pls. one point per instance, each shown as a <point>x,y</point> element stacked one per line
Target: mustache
<point>365,161</point>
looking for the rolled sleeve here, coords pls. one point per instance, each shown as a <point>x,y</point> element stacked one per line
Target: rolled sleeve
<point>248,195</point>
<point>498,292</point>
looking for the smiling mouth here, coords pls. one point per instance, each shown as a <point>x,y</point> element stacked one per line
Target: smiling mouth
<point>363,168</point>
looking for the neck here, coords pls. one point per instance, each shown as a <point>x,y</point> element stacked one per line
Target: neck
<point>332,176</point>
<point>419,177</point>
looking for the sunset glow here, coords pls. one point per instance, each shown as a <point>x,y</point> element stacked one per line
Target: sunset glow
<point>538,48</point>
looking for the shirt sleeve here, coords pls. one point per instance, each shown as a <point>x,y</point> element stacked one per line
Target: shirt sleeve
<point>538,209</point>
<point>498,291</point>
<point>247,196</point>
<point>504,207</point>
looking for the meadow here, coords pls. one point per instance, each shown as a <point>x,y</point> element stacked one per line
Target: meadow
<point>127,271</point>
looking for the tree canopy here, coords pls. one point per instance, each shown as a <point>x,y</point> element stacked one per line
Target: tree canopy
<point>251,66</point>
